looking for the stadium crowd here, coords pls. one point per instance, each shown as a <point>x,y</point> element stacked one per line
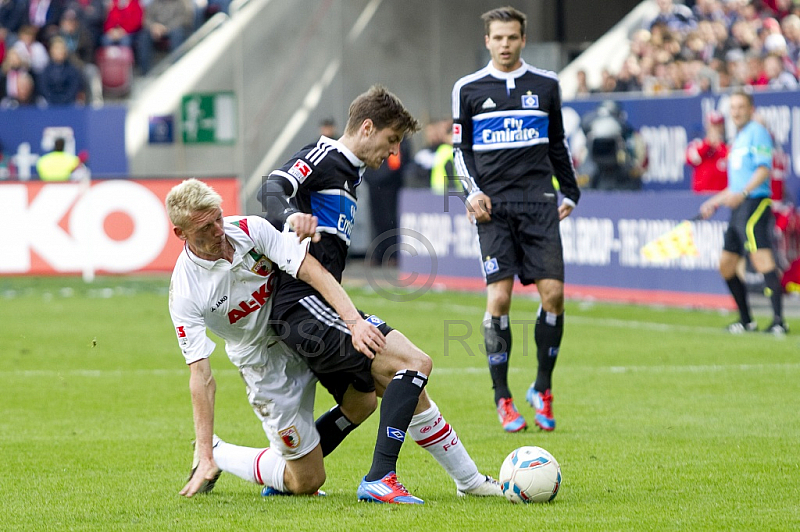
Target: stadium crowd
<point>52,51</point>
<point>709,45</point>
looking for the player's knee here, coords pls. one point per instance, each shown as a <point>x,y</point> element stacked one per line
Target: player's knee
<point>309,483</point>
<point>358,407</point>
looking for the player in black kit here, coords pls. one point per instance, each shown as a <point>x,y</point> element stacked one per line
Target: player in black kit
<point>508,141</point>
<point>322,179</point>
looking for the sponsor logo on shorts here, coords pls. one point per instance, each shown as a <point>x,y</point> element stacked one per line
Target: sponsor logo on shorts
<point>290,437</point>
<point>375,320</point>
<point>490,266</point>
<point>553,352</point>
<point>530,101</point>
<point>395,434</point>
<point>300,170</point>
<point>456,133</point>
<point>498,358</point>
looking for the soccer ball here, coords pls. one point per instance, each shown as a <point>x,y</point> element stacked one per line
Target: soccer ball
<point>530,474</point>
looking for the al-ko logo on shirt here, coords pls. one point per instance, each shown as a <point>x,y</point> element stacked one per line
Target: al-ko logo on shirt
<point>260,297</point>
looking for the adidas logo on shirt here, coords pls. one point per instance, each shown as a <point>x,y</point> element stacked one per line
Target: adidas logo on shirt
<point>489,104</point>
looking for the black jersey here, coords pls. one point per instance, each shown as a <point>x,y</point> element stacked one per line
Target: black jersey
<point>320,179</point>
<point>508,135</point>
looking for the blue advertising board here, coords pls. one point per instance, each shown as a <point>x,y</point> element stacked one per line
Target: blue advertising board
<point>668,124</point>
<point>602,242</point>
<point>30,132</point>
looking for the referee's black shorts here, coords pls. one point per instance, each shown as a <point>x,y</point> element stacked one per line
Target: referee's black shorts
<point>316,332</point>
<point>750,227</point>
<point>522,239</point>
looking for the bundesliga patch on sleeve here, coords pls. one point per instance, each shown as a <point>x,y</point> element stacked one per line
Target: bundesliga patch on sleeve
<point>456,133</point>
<point>300,169</point>
<point>530,101</point>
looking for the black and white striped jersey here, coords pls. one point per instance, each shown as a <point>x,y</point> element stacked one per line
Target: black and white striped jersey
<point>321,179</point>
<point>508,135</point>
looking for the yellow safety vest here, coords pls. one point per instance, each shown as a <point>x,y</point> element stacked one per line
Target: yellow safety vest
<point>56,166</point>
<point>439,177</point>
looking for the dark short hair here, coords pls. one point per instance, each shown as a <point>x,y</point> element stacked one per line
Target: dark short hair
<point>504,14</point>
<point>59,144</point>
<point>383,108</point>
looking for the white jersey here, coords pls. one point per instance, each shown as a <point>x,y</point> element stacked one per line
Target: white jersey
<point>232,299</point>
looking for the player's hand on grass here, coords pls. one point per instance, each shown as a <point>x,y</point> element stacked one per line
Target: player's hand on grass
<point>304,225</point>
<point>367,339</point>
<point>479,208</point>
<point>206,470</point>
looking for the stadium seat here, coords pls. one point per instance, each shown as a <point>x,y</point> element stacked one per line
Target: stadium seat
<point>116,69</point>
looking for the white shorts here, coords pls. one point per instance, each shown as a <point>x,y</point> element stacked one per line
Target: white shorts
<point>281,392</point>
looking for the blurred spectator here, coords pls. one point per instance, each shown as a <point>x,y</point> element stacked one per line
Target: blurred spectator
<point>7,170</point>
<point>123,21</point>
<point>583,88</point>
<point>25,94</point>
<point>59,165</point>
<point>13,66</point>
<point>778,8</point>
<point>327,128</point>
<point>616,156</point>
<point>30,50</point>
<point>708,156</point>
<point>443,171</point>
<point>777,77</point>
<point>435,135</point>
<point>61,82</point>
<point>44,15</point>
<point>791,32</point>
<point>12,17</point>
<point>166,25</point>
<point>708,10</point>
<point>676,17</point>
<point>384,188</point>
<point>92,16</point>
<point>80,51</point>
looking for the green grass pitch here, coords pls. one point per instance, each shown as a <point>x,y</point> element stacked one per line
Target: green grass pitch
<point>664,421</point>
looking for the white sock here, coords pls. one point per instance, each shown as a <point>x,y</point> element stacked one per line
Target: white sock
<point>431,431</point>
<point>261,466</point>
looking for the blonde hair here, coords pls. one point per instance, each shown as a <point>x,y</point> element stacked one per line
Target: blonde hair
<point>190,197</point>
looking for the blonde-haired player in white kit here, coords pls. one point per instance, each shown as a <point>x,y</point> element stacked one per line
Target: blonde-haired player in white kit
<point>225,274</point>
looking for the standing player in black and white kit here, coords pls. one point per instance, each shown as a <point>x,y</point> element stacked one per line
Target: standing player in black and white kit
<point>321,179</point>
<point>508,141</point>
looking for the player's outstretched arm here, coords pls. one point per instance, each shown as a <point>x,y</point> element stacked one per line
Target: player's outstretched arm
<point>367,339</point>
<point>203,389</point>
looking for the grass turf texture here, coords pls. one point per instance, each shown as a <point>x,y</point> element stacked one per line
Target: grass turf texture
<point>664,421</point>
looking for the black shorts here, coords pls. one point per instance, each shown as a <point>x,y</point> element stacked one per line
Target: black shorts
<point>522,239</point>
<point>316,332</point>
<point>750,227</point>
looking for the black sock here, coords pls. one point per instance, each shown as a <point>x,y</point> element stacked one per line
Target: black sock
<point>548,332</point>
<point>333,427</point>
<point>497,339</point>
<point>739,293</point>
<point>775,293</point>
<point>397,408</point>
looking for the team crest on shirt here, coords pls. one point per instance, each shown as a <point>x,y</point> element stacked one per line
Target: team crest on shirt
<point>456,133</point>
<point>530,101</point>
<point>490,265</point>
<point>290,437</point>
<point>300,170</point>
<point>262,265</point>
